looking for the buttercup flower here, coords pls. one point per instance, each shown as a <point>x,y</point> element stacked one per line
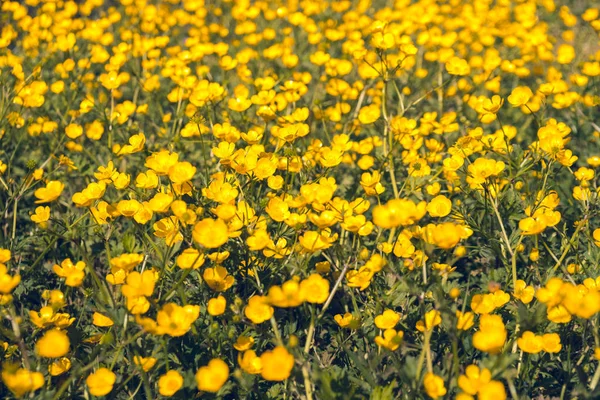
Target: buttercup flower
<point>170,383</point>
<point>100,383</point>
<point>55,343</point>
<point>212,377</point>
<point>49,193</point>
<point>491,335</point>
<point>277,364</point>
<point>22,381</point>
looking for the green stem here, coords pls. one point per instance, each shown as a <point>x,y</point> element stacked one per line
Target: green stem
<point>422,355</point>
<point>596,378</point>
<point>305,367</point>
<point>14,226</point>
<point>570,244</point>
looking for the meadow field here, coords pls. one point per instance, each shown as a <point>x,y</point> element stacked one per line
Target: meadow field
<point>300,199</point>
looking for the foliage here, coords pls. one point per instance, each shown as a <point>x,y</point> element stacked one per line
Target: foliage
<point>301,199</point>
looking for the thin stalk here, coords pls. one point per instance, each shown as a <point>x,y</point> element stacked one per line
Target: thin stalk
<point>14,225</point>
<point>570,244</point>
<point>422,355</point>
<point>388,136</point>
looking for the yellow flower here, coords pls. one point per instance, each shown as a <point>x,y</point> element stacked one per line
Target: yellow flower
<point>181,172</point>
<point>216,306</point>
<point>47,317</point>
<point>473,379</point>
<point>581,301</point>
<point>275,182</point>
<point>55,343</point>
<point>277,364</point>
<point>313,241</point>
<point>369,114</point>
<point>243,343</point>
<point>101,320</point>
<point>250,362</point>
<point>49,193</point>
<point>4,255</point>
<point>113,79</point>
<point>315,289</point>
<point>398,212</point>
<point>258,309</point>
<point>551,343</point>
<point>387,320</point>
<point>523,292</point>
<point>493,390</point>
<point>259,240</point>
<point>7,282</point>
<point>458,66</point>
<point>161,162</point>
<point>585,174</point>
<point>170,383</point>
<point>59,367</point>
<point>360,278</point>
<point>93,191</point>
<point>136,144</point>
<point>210,233</point>
<point>596,236</point>
<point>440,206</point>
<point>121,180</point>
<point>175,320</point>
<point>558,314</point>
<point>218,279</point>
<point>419,168</point>
<point>139,284</point>
<point>520,96</point>
<point>286,295</point>
<point>487,303</point>
<point>347,321</point>
<point>371,183</point>
<point>277,209</point>
<point>446,235</point>
<point>146,180</point>
<point>491,336</point>
<point>529,342</point>
<point>73,272</point>
<point>41,216</point>
<point>22,381</point>
<point>73,131</point>
<point>465,320</point>
<point>391,339</point>
<point>482,169</point>
<point>434,385</point>
<point>160,202</point>
<point>432,319</point>
<point>100,383</point>
<point>212,377</point>
<point>146,363</point>
<point>553,293</point>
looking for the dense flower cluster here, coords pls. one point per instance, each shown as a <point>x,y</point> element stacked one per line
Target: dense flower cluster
<point>299,199</point>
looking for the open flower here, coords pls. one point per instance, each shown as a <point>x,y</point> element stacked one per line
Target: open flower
<point>49,193</point>
<point>175,320</point>
<point>391,339</point>
<point>55,343</point>
<point>170,383</point>
<point>41,216</point>
<point>277,364</point>
<point>491,336</point>
<point>213,376</point>
<point>100,383</point>
<point>74,273</point>
<point>22,381</point>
